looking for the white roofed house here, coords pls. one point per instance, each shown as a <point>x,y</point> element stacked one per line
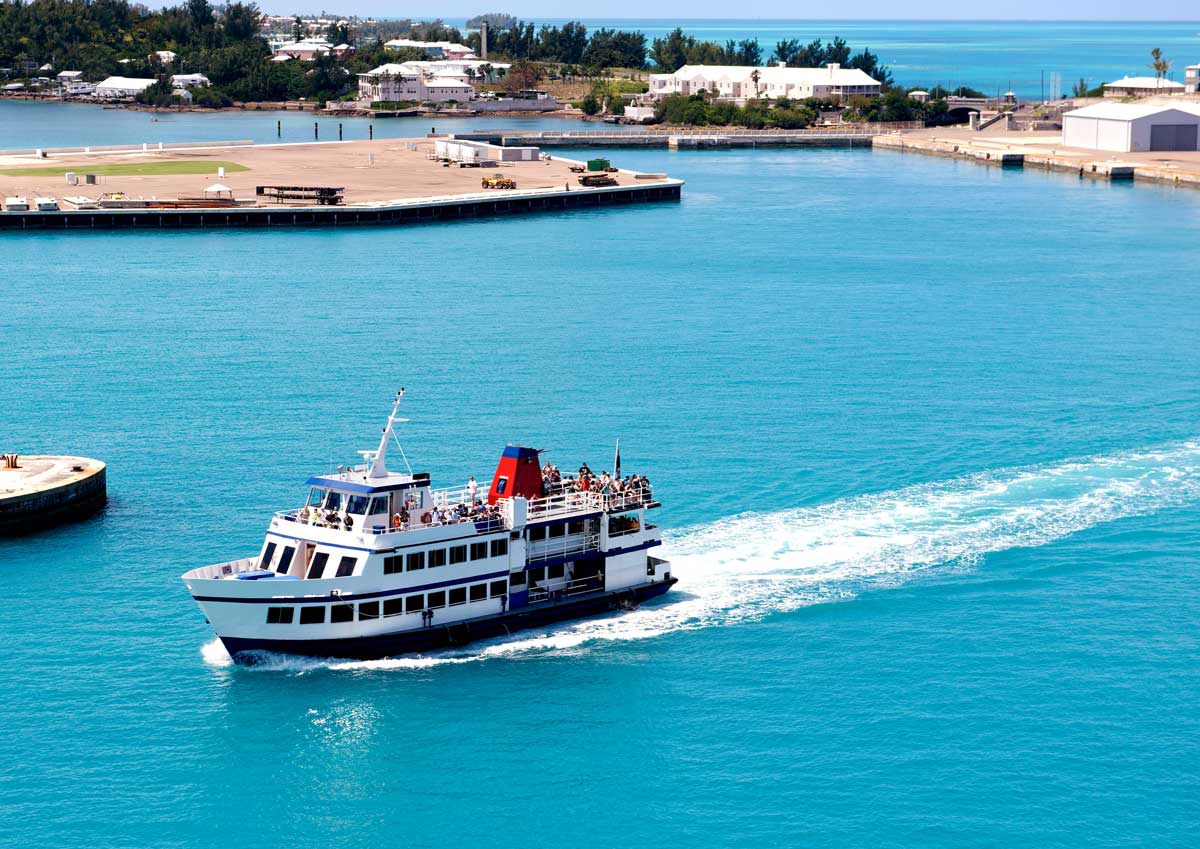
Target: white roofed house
<point>119,87</point>
<point>1142,87</point>
<point>305,50</point>
<point>163,57</point>
<point>409,81</point>
<point>443,89</point>
<point>740,83</point>
<point>189,81</point>
<point>1191,79</point>
<point>70,76</point>
<point>390,83</point>
<point>436,49</point>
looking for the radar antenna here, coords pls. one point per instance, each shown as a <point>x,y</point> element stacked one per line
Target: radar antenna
<point>376,461</point>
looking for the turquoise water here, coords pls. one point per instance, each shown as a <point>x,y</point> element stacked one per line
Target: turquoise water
<point>26,124</point>
<point>986,55</point>
<point>926,432</point>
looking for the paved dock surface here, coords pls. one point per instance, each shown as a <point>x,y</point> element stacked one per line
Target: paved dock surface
<point>1046,150</point>
<point>371,172</point>
<point>42,472</point>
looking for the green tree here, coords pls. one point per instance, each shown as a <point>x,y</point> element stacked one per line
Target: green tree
<point>785,50</point>
<point>1159,65</point>
<point>671,53</point>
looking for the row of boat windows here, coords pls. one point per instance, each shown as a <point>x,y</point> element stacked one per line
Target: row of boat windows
<point>316,568</point>
<point>416,560</point>
<point>410,562</point>
<point>553,531</point>
<point>366,610</point>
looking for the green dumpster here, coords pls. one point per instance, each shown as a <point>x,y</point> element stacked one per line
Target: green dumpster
<point>598,164</point>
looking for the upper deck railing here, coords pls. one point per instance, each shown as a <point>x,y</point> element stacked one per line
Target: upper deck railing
<point>466,507</point>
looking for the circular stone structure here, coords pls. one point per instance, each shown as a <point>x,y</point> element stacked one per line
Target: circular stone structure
<point>37,491</point>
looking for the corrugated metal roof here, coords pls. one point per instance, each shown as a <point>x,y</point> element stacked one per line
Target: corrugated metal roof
<point>1131,111</point>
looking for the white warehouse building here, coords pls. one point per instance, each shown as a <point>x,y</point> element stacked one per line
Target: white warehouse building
<point>123,86</point>
<point>743,82</point>
<point>1133,127</point>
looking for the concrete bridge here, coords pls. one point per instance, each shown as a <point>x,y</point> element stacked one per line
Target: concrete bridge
<point>677,139</point>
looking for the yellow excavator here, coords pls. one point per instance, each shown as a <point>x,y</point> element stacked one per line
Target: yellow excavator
<point>499,181</point>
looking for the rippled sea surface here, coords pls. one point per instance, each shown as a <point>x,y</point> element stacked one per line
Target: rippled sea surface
<point>928,439</point>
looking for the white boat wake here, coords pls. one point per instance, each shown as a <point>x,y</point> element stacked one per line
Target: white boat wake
<point>747,567</point>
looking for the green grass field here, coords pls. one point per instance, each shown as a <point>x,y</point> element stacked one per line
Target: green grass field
<point>131,169</point>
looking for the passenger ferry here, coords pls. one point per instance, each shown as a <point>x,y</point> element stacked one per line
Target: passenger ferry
<point>377,562</point>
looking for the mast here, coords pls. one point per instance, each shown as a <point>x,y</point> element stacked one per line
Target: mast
<point>377,459</point>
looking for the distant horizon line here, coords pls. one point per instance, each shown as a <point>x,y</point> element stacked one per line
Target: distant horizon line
<point>444,17</point>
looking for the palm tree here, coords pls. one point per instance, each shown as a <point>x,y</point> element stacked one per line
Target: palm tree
<point>1160,65</point>
<point>755,76</point>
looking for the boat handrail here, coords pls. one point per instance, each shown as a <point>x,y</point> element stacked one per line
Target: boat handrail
<point>561,547</point>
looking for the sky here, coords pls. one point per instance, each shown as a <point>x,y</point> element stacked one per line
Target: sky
<point>1091,10</point>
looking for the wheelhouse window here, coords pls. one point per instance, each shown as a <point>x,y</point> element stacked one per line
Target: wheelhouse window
<point>341,613</point>
<point>620,525</point>
<point>268,553</point>
<point>317,569</point>
<point>436,600</point>
<point>312,615</point>
<point>368,610</point>
<point>458,595</point>
<point>279,615</point>
<point>357,504</point>
<point>333,500</point>
<point>458,554</point>
<point>379,504</point>
<point>499,547</point>
<point>285,559</point>
<point>346,567</point>
<point>416,561</point>
<point>316,497</point>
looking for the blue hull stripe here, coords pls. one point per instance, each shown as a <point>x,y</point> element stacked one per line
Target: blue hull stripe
<point>442,636</point>
<point>309,599</point>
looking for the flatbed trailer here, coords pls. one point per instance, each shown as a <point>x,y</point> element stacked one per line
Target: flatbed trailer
<point>322,195</point>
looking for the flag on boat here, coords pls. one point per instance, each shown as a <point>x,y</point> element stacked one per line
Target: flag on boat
<point>617,460</point>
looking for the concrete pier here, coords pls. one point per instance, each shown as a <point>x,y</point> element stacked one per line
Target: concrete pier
<point>414,211</point>
<point>390,181</point>
<point>1045,151</point>
<point>678,139</point>
<point>39,491</point>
